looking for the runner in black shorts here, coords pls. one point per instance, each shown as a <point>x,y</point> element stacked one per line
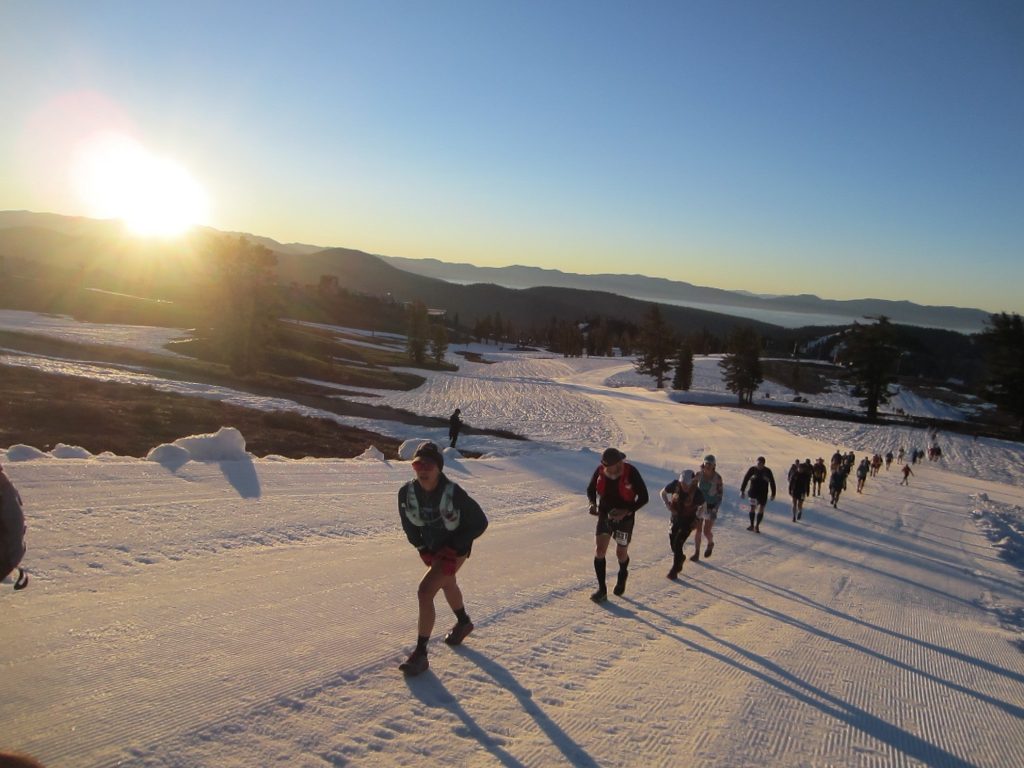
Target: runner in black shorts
<point>616,491</point>
<point>761,480</point>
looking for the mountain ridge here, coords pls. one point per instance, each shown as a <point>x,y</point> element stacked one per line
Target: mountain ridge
<point>644,287</point>
<point>818,311</point>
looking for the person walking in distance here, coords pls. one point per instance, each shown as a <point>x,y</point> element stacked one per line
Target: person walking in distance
<point>836,485</point>
<point>616,491</point>
<point>799,487</point>
<point>441,521</point>
<point>713,489</point>
<point>454,425</point>
<point>683,498</point>
<point>907,472</point>
<point>760,479</point>
<point>862,473</point>
<point>836,462</point>
<point>818,474</point>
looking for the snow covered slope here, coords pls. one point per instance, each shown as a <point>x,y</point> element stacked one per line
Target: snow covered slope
<point>251,612</point>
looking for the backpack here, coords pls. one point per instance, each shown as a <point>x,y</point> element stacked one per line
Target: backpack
<point>12,532</point>
<point>626,491</point>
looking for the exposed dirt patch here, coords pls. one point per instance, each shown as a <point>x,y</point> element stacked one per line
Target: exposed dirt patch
<point>42,409</point>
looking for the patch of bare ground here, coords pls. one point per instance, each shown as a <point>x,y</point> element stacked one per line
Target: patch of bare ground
<point>42,409</point>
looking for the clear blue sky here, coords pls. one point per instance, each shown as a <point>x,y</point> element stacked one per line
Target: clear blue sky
<point>847,149</point>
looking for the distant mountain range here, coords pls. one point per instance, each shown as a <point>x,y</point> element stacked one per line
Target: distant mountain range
<point>676,292</point>
<point>46,236</point>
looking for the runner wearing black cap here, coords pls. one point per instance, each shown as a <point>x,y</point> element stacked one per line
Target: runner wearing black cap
<point>441,520</point>
<point>616,491</point>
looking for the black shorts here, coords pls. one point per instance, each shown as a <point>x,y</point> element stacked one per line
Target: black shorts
<point>620,530</point>
<point>762,500</point>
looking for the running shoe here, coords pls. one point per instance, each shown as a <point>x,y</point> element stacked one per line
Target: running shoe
<point>458,633</point>
<point>416,663</point>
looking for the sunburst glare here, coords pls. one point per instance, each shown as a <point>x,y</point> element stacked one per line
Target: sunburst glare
<point>116,177</point>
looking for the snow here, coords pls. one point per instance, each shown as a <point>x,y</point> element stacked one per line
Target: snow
<point>144,337</point>
<point>208,607</point>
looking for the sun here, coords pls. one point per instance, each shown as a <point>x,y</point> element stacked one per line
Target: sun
<point>116,177</point>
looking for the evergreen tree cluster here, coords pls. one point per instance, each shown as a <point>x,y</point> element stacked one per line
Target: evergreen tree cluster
<point>242,301</point>
<point>871,353</point>
<point>741,366</point>
<point>1003,339</point>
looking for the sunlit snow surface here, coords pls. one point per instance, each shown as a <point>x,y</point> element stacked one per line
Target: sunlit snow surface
<point>209,608</point>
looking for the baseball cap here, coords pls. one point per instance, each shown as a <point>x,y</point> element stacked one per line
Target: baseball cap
<point>429,452</point>
<point>612,456</point>
<point>686,476</point>
<point>710,459</point>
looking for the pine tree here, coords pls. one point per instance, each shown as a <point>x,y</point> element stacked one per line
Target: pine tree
<point>656,344</point>
<point>742,365</point>
<point>243,304</point>
<point>683,378</point>
<point>438,342</point>
<point>871,353</point>
<point>419,328</point>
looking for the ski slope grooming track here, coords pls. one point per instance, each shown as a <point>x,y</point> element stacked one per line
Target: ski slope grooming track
<point>253,613</point>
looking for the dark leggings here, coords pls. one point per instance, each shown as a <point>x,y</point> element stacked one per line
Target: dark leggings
<point>677,537</point>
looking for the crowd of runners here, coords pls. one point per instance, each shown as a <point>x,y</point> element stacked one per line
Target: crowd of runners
<point>441,520</point>
<point>616,491</point>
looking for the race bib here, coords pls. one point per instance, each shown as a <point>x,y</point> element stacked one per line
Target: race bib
<point>621,538</point>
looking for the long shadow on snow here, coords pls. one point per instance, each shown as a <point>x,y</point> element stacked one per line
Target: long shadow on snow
<point>900,740</point>
<point>981,553</point>
<point>241,473</point>
<point>432,692</point>
<point>243,478</point>
<point>919,544</point>
<point>840,520</point>
<point>851,539</point>
<point>740,601</point>
<point>796,597</point>
<point>573,752</point>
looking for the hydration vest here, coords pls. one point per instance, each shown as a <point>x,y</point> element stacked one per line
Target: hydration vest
<point>449,514</point>
<point>626,492</point>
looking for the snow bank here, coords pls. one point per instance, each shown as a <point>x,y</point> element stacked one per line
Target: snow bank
<point>408,447</point>
<point>226,444</point>
<point>61,451</point>
<point>1003,525</point>
<point>373,453</point>
<point>25,453</point>
<point>169,455</point>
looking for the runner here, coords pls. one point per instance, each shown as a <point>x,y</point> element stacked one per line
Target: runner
<point>441,520</point>
<point>616,491</point>
<point>836,485</point>
<point>799,487</point>
<point>907,472</point>
<point>683,499</point>
<point>713,489</point>
<point>818,474</point>
<point>876,464</point>
<point>862,473</point>
<point>761,479</point>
